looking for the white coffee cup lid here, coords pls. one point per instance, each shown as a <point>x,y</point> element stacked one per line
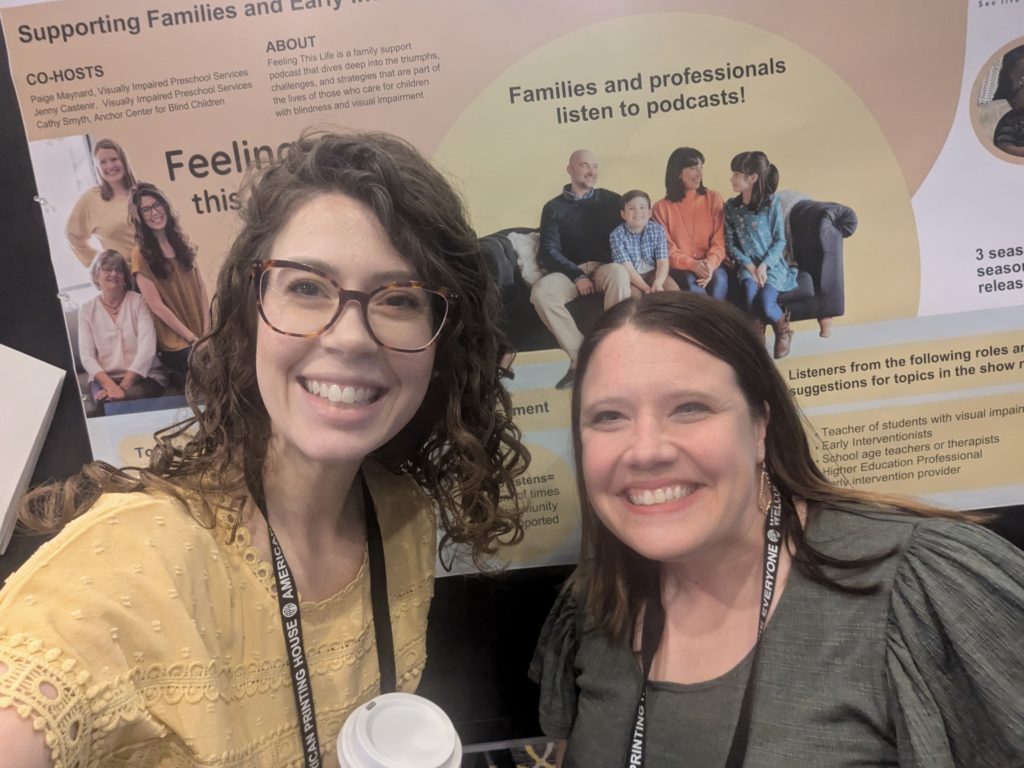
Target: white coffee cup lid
<point>399,730</point>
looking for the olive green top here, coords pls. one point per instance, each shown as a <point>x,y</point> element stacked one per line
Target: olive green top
<point>926,672</point>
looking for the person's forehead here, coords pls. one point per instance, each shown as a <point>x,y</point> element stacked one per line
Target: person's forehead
<point>624,359</point>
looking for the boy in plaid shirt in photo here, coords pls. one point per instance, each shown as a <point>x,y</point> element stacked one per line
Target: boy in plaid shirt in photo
<point>639,244</point>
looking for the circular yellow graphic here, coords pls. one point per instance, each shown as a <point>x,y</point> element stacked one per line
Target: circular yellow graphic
<point>633,89</point>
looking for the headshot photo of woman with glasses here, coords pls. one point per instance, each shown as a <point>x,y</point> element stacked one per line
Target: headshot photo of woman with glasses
<point>272,568</point>
<point>169,279</point>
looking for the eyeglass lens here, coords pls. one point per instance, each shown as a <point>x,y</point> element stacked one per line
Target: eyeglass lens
<point>304,303</point>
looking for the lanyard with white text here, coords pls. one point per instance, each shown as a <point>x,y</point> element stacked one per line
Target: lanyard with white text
<point>291,623</point>
<point>654,624</point>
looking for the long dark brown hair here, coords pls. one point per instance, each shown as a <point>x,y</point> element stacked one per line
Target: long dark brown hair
<point>146,240</point>
<point>461,446</point>
<point>613,581</point>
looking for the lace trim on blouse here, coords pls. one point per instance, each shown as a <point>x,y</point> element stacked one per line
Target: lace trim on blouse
<point>59,700</point>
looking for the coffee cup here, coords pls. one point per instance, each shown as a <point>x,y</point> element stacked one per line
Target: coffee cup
<point>399,730</point>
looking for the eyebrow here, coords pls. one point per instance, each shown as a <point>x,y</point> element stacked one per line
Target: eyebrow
<point>676,394</point>
<point>391,276</point>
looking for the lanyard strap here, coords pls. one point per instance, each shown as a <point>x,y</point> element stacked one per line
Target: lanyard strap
<point>291,624</point>
<point>654,625</point>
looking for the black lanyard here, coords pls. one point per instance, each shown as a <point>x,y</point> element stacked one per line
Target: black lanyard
<point>654,625</point>
<point>291,624</point>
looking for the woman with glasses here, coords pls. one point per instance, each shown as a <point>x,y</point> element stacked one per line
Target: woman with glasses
<point>116,337</point>
<point>102,211</point>
<point>164,265</point>
<point>272,568</point>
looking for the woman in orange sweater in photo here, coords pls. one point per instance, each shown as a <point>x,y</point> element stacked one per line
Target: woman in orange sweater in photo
<point>692,217</point>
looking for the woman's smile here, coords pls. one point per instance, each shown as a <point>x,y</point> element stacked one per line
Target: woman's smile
<point>342,393</point>
<point>667,494</point>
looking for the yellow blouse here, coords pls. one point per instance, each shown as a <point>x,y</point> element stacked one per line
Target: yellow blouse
<point>162,646</point>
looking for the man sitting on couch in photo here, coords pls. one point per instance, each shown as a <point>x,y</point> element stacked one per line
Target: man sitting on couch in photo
<point>575,254</point>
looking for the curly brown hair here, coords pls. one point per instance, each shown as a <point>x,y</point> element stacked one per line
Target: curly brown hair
<point>461,446</point>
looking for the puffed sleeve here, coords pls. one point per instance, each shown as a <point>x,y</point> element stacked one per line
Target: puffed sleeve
<point>954,642</point>
<point>554,666</point>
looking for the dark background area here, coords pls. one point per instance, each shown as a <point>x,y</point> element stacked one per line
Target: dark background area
<point>482,629</point>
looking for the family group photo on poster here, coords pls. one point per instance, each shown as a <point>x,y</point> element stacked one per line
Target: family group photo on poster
<point>592,240</point>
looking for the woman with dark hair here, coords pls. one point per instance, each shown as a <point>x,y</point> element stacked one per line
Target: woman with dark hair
<point>116,337</point>
<point>755,236</point>
<point>164,265</point>
<point>692,217</point>
<point>733,603</point>
<point>279,550</point>
<point>102,211</point>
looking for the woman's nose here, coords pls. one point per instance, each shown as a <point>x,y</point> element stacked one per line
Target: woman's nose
<point>349,333</point>
<point>651,443</point>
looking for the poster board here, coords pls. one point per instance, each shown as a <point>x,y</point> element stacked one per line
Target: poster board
<point>917,389</point>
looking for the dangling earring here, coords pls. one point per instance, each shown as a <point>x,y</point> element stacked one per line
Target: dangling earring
<point>764,491</point>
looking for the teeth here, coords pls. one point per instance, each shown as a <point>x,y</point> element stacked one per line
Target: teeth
<point>647,497</point>
<point>338,394</point>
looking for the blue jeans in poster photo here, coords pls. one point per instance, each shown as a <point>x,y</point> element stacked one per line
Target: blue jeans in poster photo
<point>762,302</point>
<point>717,287</point>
